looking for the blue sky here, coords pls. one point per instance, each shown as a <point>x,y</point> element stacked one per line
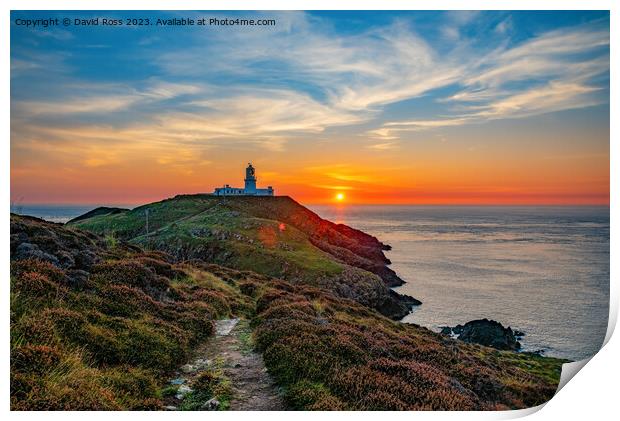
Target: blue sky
<point>376,83</point>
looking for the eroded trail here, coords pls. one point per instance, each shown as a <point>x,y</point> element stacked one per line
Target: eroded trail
<point>230,351</point>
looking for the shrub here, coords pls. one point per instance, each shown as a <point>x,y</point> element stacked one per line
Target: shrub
<point>134,388</point>
<point>52,273</point>
<point>314,396</point>
<point>126,301</point>
<point>155,262</point>
<point>214,299</point>
<point>112,344</point>
<point>36,284</point>
<point>67,322</point>
<point>34,358</point>
<point>132,273</point>
<point>68,387</point>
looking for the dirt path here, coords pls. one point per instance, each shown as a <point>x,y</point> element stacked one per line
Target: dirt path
<point>253,389</point>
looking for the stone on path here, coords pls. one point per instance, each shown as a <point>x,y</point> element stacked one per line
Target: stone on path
<point>182,391</point>
<point>211,405</point>
<point>224,326</point>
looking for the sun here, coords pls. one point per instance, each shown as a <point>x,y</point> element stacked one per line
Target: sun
<point>340,197</point>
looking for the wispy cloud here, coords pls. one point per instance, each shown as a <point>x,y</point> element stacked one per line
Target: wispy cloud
<point>89,104</point>
<point>555,71</point>
<point>358,72</point>
<point>101,99</point>
<point>260,111</point>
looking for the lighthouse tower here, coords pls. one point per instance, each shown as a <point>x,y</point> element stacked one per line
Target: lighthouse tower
<point>250,180</point>
<point>250,187</point>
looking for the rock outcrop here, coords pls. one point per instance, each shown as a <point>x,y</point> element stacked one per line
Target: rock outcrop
<point>486,332</point>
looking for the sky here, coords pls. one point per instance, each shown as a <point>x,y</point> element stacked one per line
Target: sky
<point>377,107</point>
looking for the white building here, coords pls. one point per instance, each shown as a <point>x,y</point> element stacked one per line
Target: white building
<point>249,189</point>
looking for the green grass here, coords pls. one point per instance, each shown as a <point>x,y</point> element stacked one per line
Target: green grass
<point>251,243</point>
<point>245,336</point>
<point>110,240</point>
<point>209,384</point>
<point>131,224</point>
<point>544,367</point>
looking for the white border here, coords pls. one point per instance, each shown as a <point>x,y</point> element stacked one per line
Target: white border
<point>593,394</point>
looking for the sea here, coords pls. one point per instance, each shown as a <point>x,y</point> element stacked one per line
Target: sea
<point>540,270</point>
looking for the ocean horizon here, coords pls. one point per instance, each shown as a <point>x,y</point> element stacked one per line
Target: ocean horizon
<point>63,212</point>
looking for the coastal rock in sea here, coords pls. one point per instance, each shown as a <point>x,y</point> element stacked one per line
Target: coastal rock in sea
<point>369,290</point>
<point>408,300</point>
<point>485,332</point>
<point>397,306</point>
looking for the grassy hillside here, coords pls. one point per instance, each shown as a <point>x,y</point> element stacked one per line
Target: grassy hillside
<point>100,324</point>
<point>274,236</point>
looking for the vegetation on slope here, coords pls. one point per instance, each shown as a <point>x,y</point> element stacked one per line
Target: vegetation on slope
<point>274,236</point>
<point>333,354</point>
<point>107,339</point>
<point>96,325</point>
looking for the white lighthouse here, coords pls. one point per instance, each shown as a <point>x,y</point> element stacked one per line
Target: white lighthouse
<point>249,189</point>
<point>250,179</point>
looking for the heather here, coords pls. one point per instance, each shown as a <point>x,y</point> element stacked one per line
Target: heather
<point>334,354</point>
<point>108,340</point>
<point>100,324</point>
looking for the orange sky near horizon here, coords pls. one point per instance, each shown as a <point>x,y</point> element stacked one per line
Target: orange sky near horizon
<point>458,178</point>
<point>464,166</point>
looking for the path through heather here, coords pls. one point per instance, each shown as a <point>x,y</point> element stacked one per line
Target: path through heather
<point>253,388</point>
